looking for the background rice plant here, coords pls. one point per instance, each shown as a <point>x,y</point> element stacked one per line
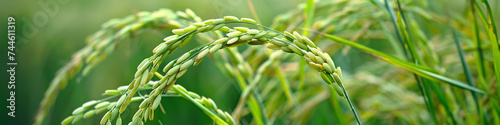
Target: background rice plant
<point>429,48</point>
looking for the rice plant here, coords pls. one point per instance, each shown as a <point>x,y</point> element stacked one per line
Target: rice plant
<point>437,66</point>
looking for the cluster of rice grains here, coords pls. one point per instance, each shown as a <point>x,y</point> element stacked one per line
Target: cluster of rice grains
<point>101,106</point>
<point>103,43</point>
<point>236,36</point>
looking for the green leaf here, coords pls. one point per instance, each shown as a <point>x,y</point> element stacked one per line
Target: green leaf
<point>419,70</point>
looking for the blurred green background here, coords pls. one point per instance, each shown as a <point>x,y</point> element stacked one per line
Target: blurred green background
<point>49,46</point>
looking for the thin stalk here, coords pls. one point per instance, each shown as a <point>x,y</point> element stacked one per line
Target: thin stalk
<point>395,25</point>
<point>350,104</point>
<point>302,75</point>
<point>254,13</point>
<point>489,24</point>
<point>286,88</point>
<point>308,16</point>
<point>481,67</point>
<point>478,41</point>
<point>335,105</point>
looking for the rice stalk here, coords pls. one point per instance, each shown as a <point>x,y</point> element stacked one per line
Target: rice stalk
<point>291,43</point>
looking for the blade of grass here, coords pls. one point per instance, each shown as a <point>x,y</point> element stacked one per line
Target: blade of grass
<point>492,35</point>
<point>394,44</point>
<point>481,67</point>
<point>419,70</point>
<point>492,25</point>
<point>477,40</point>
<point>465,66</point>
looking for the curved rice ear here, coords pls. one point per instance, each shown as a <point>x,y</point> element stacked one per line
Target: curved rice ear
<point>288,42</point>
<point>235,37</point>
<point>103,43</point>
